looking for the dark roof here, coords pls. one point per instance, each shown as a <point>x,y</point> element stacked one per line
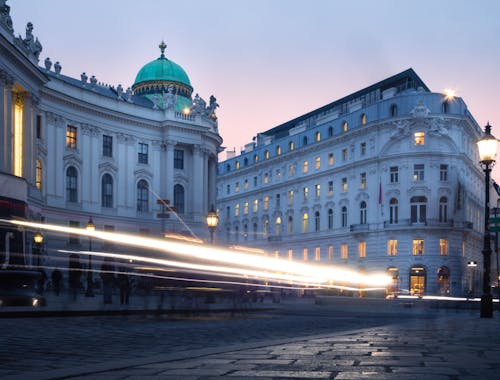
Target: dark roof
<point>397,80</point>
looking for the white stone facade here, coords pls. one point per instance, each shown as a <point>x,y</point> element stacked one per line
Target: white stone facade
<point>386,178</point>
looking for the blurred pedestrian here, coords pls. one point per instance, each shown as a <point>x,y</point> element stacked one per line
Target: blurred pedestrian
<point>124,283</point>
<point>56,280</point>
<point>108,278</point>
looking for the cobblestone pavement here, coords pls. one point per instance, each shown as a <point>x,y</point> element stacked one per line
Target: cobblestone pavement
<point>309,341</point>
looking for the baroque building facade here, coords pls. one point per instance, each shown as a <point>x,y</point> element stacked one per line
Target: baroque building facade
<point>74,149</point>
<point>384,179</point>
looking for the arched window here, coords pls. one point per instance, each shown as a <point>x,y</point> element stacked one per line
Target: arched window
<point>305,222</point>
<point>290,225</point>
<point>362,119</point>
<point>245,161</point>
<point>304,140</point>
<point>255,228</point>
<point>393,211</point>
<point>245,231</point>
<point>318,136</point>
<point>291,146</point>
<point>443,210</point>
<point>344,126</point>
<point>344,216</point>
<point>71,184</point>
<point>418,209</point>
<point>330,219</point>
<point>266,154</point>
<point>394,110</point>
<point>107,191</point>
<point>317,221</point>
<point>255,158</point>
<point>142,196</point>
<point>38,174</point>
<point>362,212</point>
<point>237,165</point>
<point>277,226</point>
<point>266,227</point>
<point>330,131</point>
<point>444,281</point>
<point>278,150</point>
<point>179,198</point>
<point>228,168</point>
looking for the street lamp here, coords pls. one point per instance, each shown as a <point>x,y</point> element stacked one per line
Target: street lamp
<point>487,147</point>
<point>38,239</point>
<point>90,292</point>
<point>212,222</point>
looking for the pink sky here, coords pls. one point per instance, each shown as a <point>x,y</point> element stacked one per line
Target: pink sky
<point>268,61</point>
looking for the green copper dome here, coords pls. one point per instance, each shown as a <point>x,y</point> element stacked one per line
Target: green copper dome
<point>161,76</point>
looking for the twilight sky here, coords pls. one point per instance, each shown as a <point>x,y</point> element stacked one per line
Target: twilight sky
<point>268,61</point>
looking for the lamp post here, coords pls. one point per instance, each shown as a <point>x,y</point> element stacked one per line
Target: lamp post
<point>212,222</point>
<point>487,147</point>
<point>38,239</point>
<point>90,292</point>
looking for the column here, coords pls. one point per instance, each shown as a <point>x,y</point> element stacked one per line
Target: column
<point>8,136</point>
<point>212,181</point>
<point>198,191</point>
<point>29,152</point>
<point>168,172</point>
<point>2,120</point>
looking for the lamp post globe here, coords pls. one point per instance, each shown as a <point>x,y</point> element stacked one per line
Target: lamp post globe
<point>90,292</point>
<point>487,147</point>
<point>212,221</point>
<point>38,240</point>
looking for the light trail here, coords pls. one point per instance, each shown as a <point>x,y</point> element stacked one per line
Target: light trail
<point>264,267</point>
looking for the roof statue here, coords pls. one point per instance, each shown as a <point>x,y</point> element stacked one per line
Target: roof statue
<point>5,19</point>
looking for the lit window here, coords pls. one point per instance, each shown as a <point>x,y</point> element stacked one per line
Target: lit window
<point>245,208</point>
<point>317,253</point>
<point>362,184</point>
<point>317,190</point>
<point>344,184</point>
<point>443,247</point>
<point>305,166</point>
<point>305,222</point>
<point>266,203</point>
<point>38,174</point>
<point>392,247</point>
<point>305,192</point>
<point>278,150</point>
<point>71,137</point>
<point>290,197</point>
<point>418,172</point>
<point>237,165</point>
<point>330,252</point>
<point>255,158</point>
<point>291,170</point>
<point>419,138</point>
<point>305,254</point>
<point>330,159</point>
<point>317,161</point>
<point>266,155</point>
<point>255,205</point>
<point>344,126</point>
<point>418,247</point>
<point>266,178</point>
<point>318,136</point>
<point>362,249</point>
<point>343,251</point>
<point>330,188</point>
<point>237,210</point>
<point>363,119</point>
<point>278,174</point>
<point>291,146</point>
<point>277,226</point>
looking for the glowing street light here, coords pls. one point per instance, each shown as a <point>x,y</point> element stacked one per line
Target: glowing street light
<point>212,222</point>
<point>90,292</point>
<point>38,239</point>
<point>487,146</point>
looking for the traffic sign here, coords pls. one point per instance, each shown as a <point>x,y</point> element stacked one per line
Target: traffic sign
<point>495,220</point>
<point>163,215</point>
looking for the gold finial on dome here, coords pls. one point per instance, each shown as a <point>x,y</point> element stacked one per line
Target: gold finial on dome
<point>162,47</point>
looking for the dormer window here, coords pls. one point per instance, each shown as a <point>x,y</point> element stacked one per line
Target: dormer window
<point>419,138</point>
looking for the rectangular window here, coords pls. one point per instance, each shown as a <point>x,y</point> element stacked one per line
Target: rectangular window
<point>228,211</point>
<point>290,197</point>
<point>291,170</point>
<point>317,162</point>
<point>107,146</point>
<point>142,156</point>
<point>74,238</point>
<point>245,208</point>
<point>255,205</point>
<point>278,200</point>
<point>305,166</point>
<point>178,159</point>
<point>363,149</point>
<point>266,203</point>
<point>362,179</point>
<point>228,189</point>
<point>305,254</point>
<point>317,190</point>
<point>394,174</point>
<point>344,184</point>
<point>330,159</point>
<point>418,247</point>
<point>443,247</point>
<point>38,126</point>
<point>278,174</point>
<point>71,137</point>
<point>237,209</point>
<point>443,172</point>
<point>266,178</point>
<point>330,252</point>
<point>419,138</point>
<point>236,187</point>
<point>305,192</point>
<point>392,247</point>
<point>418,172</point>
<point>362,249</point>
<point>330,187</point>
<point>343,251</point>
<point>255,181</point>
<point>317,253</point>
<point>344,154</point>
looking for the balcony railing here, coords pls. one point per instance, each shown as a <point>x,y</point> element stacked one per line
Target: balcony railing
<point>359,227</point>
